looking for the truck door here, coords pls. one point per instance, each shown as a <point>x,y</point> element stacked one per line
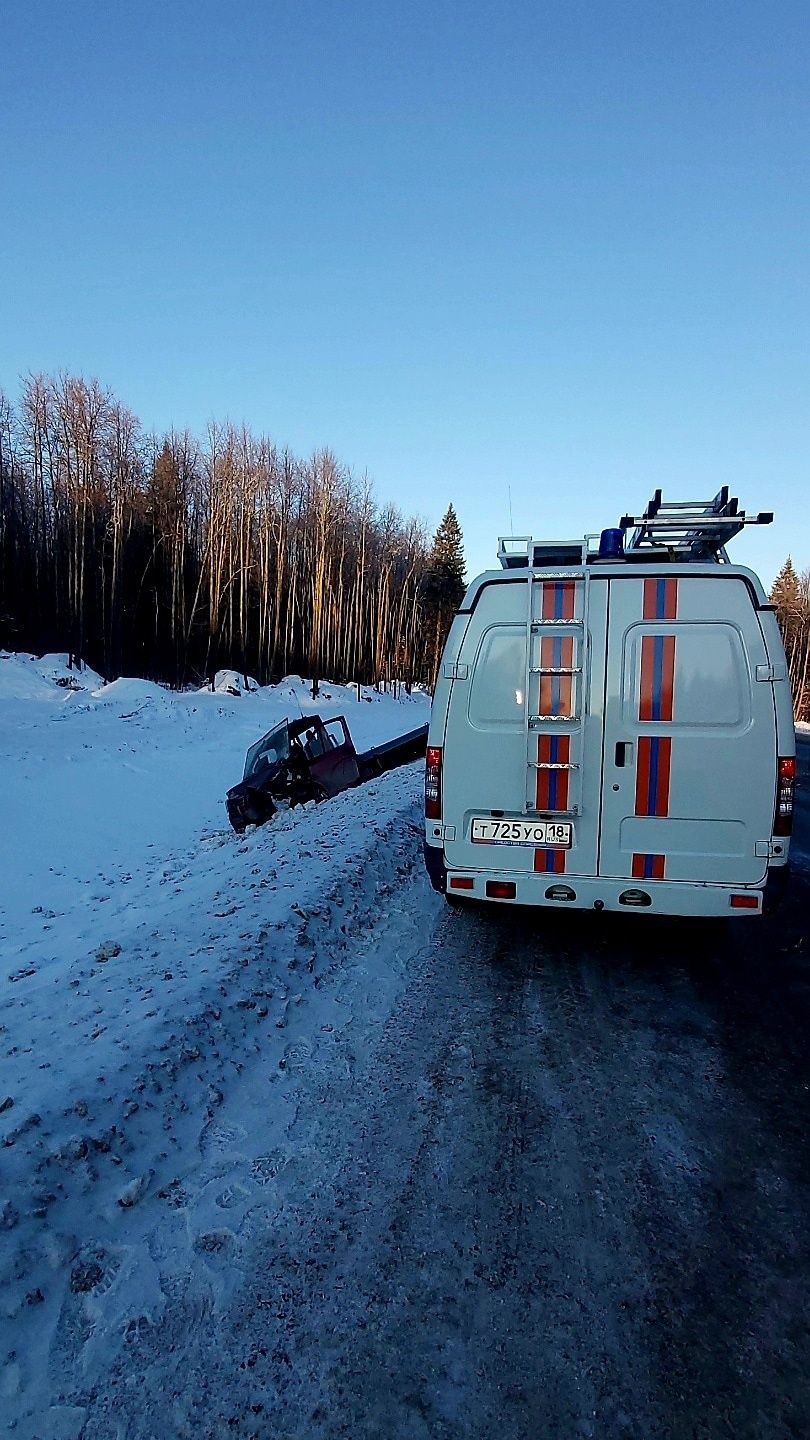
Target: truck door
<point>333,765</point>
<point>690,736</point>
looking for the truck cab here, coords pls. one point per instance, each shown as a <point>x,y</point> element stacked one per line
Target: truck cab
<point>296,761</point>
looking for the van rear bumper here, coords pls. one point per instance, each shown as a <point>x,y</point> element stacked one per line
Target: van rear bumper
<point>650,897</point>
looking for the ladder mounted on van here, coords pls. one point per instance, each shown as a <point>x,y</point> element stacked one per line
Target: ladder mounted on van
<point>688,529</point>
<point>557,634</point>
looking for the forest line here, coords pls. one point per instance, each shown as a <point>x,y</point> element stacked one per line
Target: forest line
<point>171,557</point>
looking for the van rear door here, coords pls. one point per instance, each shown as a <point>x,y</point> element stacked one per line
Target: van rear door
<point>690,734</point>
<point>523,738</point>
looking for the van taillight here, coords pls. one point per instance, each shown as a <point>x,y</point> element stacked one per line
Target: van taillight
<point>433,783</point>
<point>501,889</point>
<point>786,780</point>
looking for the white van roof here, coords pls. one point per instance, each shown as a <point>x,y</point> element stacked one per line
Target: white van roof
<point>710,571</point>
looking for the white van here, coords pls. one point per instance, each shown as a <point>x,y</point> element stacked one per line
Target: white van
<point>612,726</point>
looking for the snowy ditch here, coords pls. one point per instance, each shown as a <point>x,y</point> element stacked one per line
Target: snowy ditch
<point>161,998</point>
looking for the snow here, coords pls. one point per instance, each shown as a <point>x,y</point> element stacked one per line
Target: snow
<point>148,957</point>
<point>48,678</point>
<point>230,682</point>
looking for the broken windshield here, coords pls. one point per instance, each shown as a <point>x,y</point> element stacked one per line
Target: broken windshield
<point>273,746</point>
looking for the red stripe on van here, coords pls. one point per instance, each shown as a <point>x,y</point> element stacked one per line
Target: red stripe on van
<point>652,774</point>
<point>643,775</point>
<point>559,597</point>
<point>549,862</point>
<point>556,691</point>
<point>552,785</point>
<point>566,681</point>
<point>657,681</point>
<point>664,764</point>
<point>543,756</point>
<point>660,598</point>
<point>563,776</point>
<point>647,689</point>
<point>546,703</point>
<point>667,676</point>
<point>656,703</point>
<point>649,867</point>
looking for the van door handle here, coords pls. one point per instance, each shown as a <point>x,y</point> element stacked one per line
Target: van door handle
<point>624,753</point>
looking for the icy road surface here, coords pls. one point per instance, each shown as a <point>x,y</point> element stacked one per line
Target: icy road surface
<point>374,1168</point>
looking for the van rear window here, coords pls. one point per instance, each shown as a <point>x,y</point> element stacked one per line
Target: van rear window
<point>703,677</point>
<point>499,676</point>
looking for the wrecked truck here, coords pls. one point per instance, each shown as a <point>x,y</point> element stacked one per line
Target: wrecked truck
<point>311,759</point>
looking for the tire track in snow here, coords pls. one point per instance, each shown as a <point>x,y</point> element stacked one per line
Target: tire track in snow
<point>502,1208</point>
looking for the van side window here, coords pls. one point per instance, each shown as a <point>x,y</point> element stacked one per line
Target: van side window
<point>700,678</point>
<point>499,677</point>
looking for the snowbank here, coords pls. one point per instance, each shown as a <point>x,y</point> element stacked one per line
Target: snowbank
<point>48,678</point>
<point>230,682</point>
<point>20,681</point>
<point>98,780</point>
<point>57,669</point>
<point>148,956</point>
<point>127,693</point>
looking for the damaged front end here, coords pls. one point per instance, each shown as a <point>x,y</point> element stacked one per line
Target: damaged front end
<point>269,778</point>
<point>250,803</point>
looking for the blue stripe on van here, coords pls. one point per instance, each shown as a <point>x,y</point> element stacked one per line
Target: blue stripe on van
<point>556,659</point>
<point>658,676</point>
<point>661,598</point>
<point>652,791</point>
<point>553,774</point>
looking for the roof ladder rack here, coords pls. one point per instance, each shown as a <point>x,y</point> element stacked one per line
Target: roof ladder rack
<point>689,529</point>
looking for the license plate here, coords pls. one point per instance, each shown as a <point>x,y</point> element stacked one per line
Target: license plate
<point>559,833</point>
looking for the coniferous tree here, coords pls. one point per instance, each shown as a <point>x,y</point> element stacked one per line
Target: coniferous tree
<point>790,594</point>
<point>786,589</point>
<point>444,582</point>
<point>447,558</point>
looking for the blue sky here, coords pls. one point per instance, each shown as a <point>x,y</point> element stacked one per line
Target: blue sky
<point>558,248</point>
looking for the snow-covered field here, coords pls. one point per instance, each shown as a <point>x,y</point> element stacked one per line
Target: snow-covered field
<point>162,981</point>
